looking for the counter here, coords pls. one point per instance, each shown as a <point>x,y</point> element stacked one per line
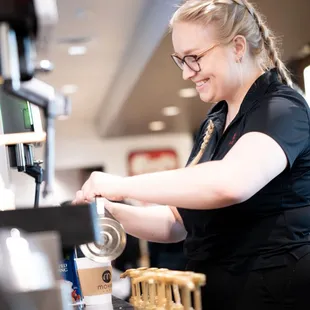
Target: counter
<point>118,304</point>
<point>121,304</point>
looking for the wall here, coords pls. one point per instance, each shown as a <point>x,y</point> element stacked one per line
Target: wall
<point>78,146</point>
<point>66,184</point>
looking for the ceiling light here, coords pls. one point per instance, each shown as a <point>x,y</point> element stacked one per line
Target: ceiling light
<point>171,111</point>
<point>304,51</point>
<point>77,50</point>
<point>69,89</point>
<point>157,126</point>
<point>188,92</point>
<point>62,117</point>
<point>46,65</point>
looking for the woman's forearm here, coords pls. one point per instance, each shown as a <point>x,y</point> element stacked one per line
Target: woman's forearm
<point>154,223</point>
<point>204,186</point>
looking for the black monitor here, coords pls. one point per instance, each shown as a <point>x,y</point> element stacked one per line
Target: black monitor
<point>21,121</point>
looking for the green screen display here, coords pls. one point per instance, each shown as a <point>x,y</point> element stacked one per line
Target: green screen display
<point>16,114</point>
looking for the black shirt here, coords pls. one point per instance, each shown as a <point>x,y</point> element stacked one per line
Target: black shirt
<point>276,220</point>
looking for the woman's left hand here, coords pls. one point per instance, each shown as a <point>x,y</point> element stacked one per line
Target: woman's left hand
<point>101,184</point>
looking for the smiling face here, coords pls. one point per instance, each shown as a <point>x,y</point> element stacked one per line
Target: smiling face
<point>217,80</point>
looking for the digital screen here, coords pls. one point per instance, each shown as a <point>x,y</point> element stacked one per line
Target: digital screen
<point>16,114</point>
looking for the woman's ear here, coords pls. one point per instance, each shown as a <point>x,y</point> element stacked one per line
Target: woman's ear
<point>239,46</point>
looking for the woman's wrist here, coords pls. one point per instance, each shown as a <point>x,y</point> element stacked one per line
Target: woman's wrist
<point>110,206</point>
<point>125,187</point>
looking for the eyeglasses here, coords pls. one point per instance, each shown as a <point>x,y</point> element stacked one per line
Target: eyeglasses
<point>191,60</point>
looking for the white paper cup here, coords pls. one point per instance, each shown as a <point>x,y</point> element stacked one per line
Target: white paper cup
<point>96,281</point>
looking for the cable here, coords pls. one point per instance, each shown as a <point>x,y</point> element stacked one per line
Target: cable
<point>36,172</point>
<point>37,195</point>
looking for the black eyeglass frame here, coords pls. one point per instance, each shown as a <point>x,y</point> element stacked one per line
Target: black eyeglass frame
<point>195,57</point>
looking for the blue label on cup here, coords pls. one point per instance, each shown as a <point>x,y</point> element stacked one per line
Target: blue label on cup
<point>68,270</point>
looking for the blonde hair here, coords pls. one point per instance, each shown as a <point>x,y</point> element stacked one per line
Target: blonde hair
<point>232,18</point>
<point>204,144</point>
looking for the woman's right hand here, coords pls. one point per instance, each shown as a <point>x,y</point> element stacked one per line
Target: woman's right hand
<point>109,205</point>
<point>101,184</point>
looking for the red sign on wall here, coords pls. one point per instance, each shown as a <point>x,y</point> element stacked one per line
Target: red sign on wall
<point>148,161</point>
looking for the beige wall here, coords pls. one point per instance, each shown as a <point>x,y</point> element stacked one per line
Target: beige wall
<point>78,146</point>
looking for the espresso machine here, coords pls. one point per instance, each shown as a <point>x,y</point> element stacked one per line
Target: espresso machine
<point>32,240</point>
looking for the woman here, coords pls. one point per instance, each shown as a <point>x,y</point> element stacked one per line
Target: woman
<point>243,201</point>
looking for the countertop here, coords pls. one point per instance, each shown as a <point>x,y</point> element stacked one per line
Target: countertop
<point>117,304</point>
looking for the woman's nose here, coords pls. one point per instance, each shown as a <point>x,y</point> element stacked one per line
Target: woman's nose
<point>187,72</point>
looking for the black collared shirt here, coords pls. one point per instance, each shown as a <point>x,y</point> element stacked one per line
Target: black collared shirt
<point>276,220</point>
